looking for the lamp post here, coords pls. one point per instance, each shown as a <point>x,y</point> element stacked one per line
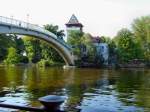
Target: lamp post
<point>12,19</point>
<point>27,21</point>
<point>27,18</point>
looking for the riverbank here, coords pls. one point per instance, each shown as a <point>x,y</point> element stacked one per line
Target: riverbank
<point>32,64</point>
<point>85,65</point>
<point>132,66</point>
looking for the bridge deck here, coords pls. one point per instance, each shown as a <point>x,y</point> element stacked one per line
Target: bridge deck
<point>11,25</point>
<point>29,26</point>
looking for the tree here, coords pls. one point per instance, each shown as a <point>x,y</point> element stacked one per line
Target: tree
<point>19,44</point>
<point>86,40</point>
<point>5,42</point>
<point>104,39</point>
<point>141,28</point>
<point>12,57</point>
<point>127,48</point>
<point>50,54</point>
<point>39,50</point>
<point>74,39</point>
<point>55,29</point>
<point>32,48</point>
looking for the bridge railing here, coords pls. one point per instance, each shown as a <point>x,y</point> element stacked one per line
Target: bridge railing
<point>26,25</point>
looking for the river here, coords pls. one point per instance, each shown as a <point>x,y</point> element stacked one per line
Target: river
<point>91,90</point>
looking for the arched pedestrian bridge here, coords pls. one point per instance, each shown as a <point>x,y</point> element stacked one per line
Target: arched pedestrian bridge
<point>13,26</point>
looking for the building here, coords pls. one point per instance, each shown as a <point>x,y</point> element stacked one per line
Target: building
<point>73,25</point>
<point>101,48</point>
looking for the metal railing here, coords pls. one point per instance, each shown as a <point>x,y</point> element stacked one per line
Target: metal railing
<point>26,25</point>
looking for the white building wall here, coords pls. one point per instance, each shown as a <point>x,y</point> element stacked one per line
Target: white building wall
<point>73,28</point>
<point>102,49</point>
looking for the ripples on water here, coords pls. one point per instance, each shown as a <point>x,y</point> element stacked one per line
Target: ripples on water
<point>87,90</point>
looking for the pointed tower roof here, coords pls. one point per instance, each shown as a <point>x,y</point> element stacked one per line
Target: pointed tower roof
<point>74,21</point>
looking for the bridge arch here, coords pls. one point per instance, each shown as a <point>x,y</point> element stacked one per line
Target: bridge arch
<point>12,26</point>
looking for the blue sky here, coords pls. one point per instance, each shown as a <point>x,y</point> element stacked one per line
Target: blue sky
<point>99,17</point>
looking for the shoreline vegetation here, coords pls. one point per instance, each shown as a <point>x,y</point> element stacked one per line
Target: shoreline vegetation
<point>26,50</point>
<point>128,49</point>
<point>119,66</point>
<point>31,64</point>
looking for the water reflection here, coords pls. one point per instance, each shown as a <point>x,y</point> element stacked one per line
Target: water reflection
<point>87,90</point>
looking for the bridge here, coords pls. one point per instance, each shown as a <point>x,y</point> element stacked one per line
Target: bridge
<point>13,26</point>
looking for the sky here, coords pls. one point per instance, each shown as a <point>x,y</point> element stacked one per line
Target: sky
<point>99,17</point>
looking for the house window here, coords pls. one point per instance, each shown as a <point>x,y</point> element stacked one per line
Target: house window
<point>102,48</point>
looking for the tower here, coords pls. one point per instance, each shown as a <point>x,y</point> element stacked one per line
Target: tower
<point>73,25</point>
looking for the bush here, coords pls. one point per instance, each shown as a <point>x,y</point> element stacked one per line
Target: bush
<point>12,57</point>
<point>44,63</point>
<point>24,59</point>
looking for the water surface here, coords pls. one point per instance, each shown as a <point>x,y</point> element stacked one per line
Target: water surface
<point>87,90</point>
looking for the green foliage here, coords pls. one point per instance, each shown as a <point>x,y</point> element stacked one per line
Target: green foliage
<point>19,44</point>
<point>127,48</point>
<point>74,37</point>
<point>12,57</point>
<point>104,39</point>
<point>5,42</point>
<point>125,45</point>
<point>112,48</point>
<point>49,53</point>
<point>32,48</point>
<point>141,28</point>
<point>78,40</point>
<point>75,40</point>
<point>24,59</point>
<point>35,49</point>
<point>39,49</point>
<point>86,40</point>
<point>55,29</point>
<point>28,47</point>
<point>147,52</point>
<point>43,63</point>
